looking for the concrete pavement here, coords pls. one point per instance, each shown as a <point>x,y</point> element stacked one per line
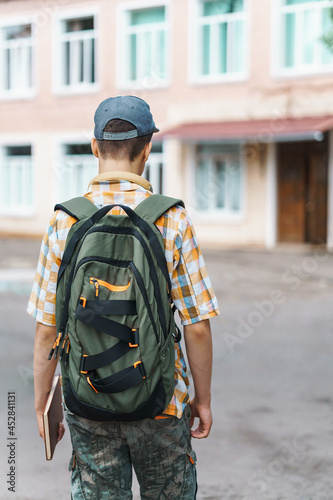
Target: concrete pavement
<point>272,386</point>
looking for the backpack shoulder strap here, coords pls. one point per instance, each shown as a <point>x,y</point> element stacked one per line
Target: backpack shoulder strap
<point>155,205</point>
<point>79,208</point>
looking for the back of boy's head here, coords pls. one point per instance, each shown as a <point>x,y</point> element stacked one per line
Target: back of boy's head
<point>122,149</point>
<point>124,125</point>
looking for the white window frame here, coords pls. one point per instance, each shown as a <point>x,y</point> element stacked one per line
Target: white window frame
<point>19,210</point>
<point>216,215</point>
<point>59,164</point>
<point>278,41</point>
<point>58,64</point>
<point>24,93</point>
<point>195,47</point>
<point>122,59</point>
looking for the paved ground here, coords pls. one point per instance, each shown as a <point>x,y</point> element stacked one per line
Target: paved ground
<point>273,404</point>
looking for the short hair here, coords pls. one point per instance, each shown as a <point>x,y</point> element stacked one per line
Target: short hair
<point>128,148</point>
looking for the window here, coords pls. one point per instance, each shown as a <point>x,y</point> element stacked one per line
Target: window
<point>154,171</point>
<point>304,23</point>
<point>17,60</point>
<point>77,56</point>
<point>145,41</point>
<point>16,180</point>
<point>75,170</point>
<point>219,179</point>
<point>221,38</point>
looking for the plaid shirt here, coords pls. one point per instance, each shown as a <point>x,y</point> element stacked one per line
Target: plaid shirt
<point>191,290</point>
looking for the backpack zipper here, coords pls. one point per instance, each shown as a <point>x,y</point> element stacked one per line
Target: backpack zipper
<point>112,288</point>
<point>113,262</point>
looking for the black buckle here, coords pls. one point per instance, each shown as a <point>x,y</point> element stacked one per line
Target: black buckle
<point>82,370</point>
<point>141,368</point>
<point>136,338</point>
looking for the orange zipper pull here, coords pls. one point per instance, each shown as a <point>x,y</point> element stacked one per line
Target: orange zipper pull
<point>62,348</point>
<point>95,282</point>
<point>57,342</point>
<point>88,380</point>
<point>67,352</point>
<point>52,350</point>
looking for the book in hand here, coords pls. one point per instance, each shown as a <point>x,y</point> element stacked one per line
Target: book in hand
<point>52,416</point>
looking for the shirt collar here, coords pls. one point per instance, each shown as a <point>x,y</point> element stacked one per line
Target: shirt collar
<point>116,176</point>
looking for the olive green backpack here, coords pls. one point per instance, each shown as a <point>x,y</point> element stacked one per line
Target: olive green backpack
<point>114,312</point>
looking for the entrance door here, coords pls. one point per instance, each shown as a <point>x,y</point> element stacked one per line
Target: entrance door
<point>316,206</point>
<point>292,195</point>
<point>302,192</point>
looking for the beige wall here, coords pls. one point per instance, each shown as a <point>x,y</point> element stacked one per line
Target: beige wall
<point>261,95</point>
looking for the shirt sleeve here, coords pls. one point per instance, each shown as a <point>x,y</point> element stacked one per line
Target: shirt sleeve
<point>191,288</point>
<point>41,304</point>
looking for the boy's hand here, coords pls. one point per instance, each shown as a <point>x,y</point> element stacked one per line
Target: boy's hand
<point>204,414</point>
<point>61,428</point>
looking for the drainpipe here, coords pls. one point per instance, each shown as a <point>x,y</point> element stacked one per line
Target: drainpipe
<point>271,197</point>
<point>330,193</point>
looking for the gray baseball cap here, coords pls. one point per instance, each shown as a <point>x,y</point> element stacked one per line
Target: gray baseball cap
<point>129,108</point>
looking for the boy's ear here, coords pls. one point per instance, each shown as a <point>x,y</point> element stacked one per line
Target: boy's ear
<point>94,147</point>
<point>146,151</point>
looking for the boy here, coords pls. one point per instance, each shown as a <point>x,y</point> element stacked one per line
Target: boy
<point>159,450</point>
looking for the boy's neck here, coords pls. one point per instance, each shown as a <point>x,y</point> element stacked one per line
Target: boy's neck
<point>110,165</point>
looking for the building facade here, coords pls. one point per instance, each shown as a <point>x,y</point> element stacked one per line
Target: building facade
<point>242,91</point>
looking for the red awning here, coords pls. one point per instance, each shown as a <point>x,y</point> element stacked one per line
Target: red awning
<point>272,130</point>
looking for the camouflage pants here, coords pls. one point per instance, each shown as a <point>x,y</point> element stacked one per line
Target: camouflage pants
<point>159,450</point>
